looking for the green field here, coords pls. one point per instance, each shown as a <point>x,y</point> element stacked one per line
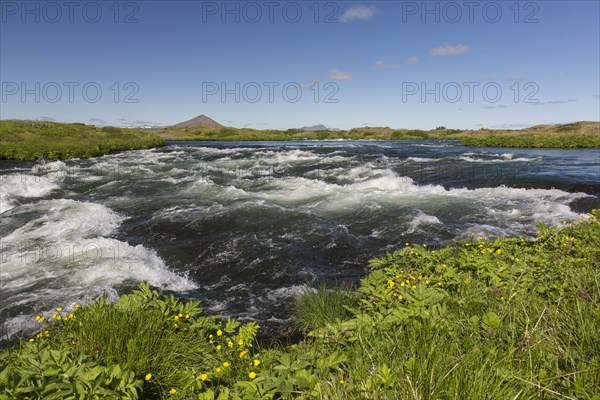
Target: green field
<point>507,319</point>
<point>35,140</point>
<point>575,135</point>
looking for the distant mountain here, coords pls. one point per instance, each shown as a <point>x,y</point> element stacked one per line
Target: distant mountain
<point>319,127</point>
<point>200,121</point>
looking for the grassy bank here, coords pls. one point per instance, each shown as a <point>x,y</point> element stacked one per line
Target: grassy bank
<point>506,319</point>
<point>567,136</point>
<point>35,140</point>
<point>575,135</point>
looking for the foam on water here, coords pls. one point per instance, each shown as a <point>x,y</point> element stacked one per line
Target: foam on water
<point>63,254</point>
<point>15,186</point>
<point>252,222</point>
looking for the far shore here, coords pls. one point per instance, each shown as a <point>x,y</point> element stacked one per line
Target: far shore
<point>37,140</point>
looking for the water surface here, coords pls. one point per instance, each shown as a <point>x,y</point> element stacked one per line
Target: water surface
<point>246,226</point>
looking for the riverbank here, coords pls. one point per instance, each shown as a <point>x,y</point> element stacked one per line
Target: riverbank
<point>34,140</point>
<point>575,135</point>
<point>510,318</point>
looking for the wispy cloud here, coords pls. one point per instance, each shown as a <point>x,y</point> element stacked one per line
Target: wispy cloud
<point>515,79</point>
<point>511,126</point>
<point>97,121</point>
<point>562,101</point>
<point>251,124</point>
<point>49,119</point>
<point>539,103</point>
<point>358,13</point>
<point>449,50</point>
<point>493,107</point>
<point>410,61</point>
<point>340,75</point>
<point>383,65</point>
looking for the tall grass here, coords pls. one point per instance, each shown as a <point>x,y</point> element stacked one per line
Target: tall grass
<point>323,305</point>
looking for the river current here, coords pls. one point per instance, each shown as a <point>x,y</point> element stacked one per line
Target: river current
<point>247,226</point>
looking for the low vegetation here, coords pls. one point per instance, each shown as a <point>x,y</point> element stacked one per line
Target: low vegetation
<point>505,319</point>
<point>35,140</point>
<point>575,135</point>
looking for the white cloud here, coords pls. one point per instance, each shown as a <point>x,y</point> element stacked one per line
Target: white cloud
<point>383,65</point>
<point>493,107</point>
<point>449,50</point>
<point>340,75</point>
<point>562,101</point>
<point>410,61</point>
<point>511,126</point>
<point>358,12</point>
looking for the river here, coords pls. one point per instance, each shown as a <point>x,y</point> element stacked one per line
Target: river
<point>247,226</point>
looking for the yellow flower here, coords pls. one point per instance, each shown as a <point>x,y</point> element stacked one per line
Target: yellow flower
<point>148,377</point>
<point>31,340</point>
<point>218,347</point>
<point>252,375</point>
<point>243,353</point>
<point>203,376</point>
<point>225,364</point>
<point>172,391</point>
<point>390,283</point>
<point>400,297</point>
<point>499,251</point>
<point>180,315</point>
<point>53,315</point>
<point>70,316</point>
<point>240,342</point>
<point>59,309</point>
<point>58,317</point>
<point>176,318</point>
<point>187,316</point>
<point>77,305</point>
<point>218,370</point>
<point>230,344</point>
<point>219,332</point>
<point>210,336</point>
<point>256,362</point>
<point>342,382</point>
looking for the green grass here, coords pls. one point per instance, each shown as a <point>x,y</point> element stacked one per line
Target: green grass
<point>504,319</point>
<point>575,135</point>
<point>35,140</point>
<point>562,141</point>
<point>323,305</point>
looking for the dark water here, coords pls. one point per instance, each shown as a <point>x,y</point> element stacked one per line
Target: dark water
<point>245,227</point>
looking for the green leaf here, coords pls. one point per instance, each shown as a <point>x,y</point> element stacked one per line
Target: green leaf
<point>491,320</point>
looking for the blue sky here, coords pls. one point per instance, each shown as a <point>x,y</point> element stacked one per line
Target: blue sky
<point>285,64</point>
